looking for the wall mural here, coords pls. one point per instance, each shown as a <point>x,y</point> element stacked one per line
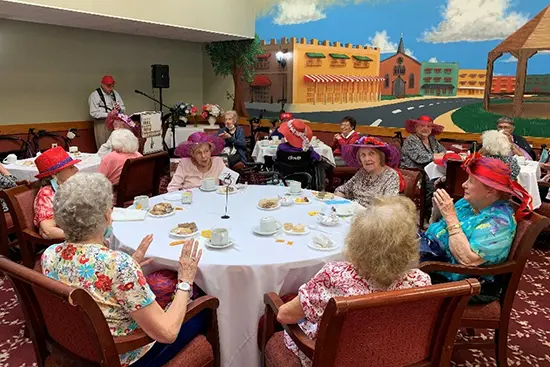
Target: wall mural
<point>463,63</point>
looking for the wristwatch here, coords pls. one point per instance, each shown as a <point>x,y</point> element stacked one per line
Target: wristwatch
<point>184,286</point>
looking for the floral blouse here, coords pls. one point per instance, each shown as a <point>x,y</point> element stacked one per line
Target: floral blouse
<point>363,186</point>
<point>340,279</point>
<point>490,232</point>
<point>113,279</point>
<point>414,154</point>
<point>6,182</point>
<point>43,204</point>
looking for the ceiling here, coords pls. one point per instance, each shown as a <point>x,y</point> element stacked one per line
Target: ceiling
<point>67,18</point>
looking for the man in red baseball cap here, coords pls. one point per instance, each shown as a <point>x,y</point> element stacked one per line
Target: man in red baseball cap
<point>102,101</point>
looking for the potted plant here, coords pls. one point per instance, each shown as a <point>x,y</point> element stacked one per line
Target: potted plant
<point>211,112</point>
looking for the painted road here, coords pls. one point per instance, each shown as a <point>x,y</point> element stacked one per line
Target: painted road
<point>391,115</point>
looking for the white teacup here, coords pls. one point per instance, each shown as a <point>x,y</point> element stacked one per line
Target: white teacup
<point>141,202</point>
<point>275,138</point>
<point>208,183</point>
<point>268,224</point>
<point>295,187</point>
<point>520,159</point>
<point>10,159</point>
<point>220,237</point>
<point>73,149</point>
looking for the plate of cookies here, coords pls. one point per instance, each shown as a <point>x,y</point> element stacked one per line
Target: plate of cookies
<point>185,230</point>
<point>161,210</point>
<point>295,229</point>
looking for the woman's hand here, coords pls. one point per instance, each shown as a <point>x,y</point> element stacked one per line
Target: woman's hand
<point>3,170</point>
<point>139,254</point>
<point>439,156</point>
<point>225,135</point>
<point>189,260</point>
<point>446,207</point>
<point>339,194</point>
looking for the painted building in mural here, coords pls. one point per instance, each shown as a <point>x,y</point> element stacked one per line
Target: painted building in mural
<point>503,84</point>
<point>471,82</point>
<point>537,83</point>
<point>401,74</point>
<point>439,79</point>
<point>315,73</point>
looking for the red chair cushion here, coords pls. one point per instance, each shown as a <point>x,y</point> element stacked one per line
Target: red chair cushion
<point>9,222</point>
<point>489,312</point>
<point>278,355</point>
<point>198,352</point>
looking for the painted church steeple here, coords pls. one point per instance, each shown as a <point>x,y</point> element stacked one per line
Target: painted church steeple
<point>401,48</point>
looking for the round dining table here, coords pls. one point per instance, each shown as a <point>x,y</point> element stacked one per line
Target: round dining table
<point>240,275</point>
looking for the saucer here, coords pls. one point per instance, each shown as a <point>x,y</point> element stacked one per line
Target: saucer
<point>257,230</point>
<point>294,193</point>
<point>162,215</point>
<point>314,246</point>
<point>229,243</point>
<point>208,190</point>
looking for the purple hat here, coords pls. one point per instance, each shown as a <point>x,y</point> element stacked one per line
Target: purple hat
<point>216,144</point>
<point>349,152</point>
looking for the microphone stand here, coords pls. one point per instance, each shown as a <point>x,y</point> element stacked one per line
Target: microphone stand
<point>172,125</point>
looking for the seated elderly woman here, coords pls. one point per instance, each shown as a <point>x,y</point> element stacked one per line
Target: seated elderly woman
<point>495,144</point>
<point>297,136</point>
<point>124,145</point>
<point>55,167</point>
<point>116,121</point>
<point>382,255</point>
<point>197,162</point>
<point>376,176</point>
<point>234,139</point>
<point>83,209</point>
<point>480,228</point>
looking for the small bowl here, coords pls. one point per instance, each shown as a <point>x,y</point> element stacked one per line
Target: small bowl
<point>328,221</point>
<point>286,201</point>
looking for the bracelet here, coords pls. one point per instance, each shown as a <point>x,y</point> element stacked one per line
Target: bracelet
<point>452,234</point>
<point>454,226</point>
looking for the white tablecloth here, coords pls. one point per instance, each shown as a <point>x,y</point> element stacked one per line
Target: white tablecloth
<point>20,169</point>
<point>239,276</point>
<point>528,176</point>
<point>182,133</point>
<point>263,148</point>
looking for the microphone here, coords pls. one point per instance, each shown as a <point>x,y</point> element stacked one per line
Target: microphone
<point>138,92</point>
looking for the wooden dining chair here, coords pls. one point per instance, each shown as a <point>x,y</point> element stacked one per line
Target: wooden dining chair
<point>7,229</point>
<point>496,315</point>
<point>20,201</point>
<point>415,187</point>
<point>141,176</point>
<point>406,327</point>
<point>67,327</point>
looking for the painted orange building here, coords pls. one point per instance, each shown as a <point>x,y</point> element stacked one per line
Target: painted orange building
<point>316,73</point>
<point>471,82</point>
<point>503,84</point>
<point>400,73</point>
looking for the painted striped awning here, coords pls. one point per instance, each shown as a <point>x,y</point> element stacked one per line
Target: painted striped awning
<point>340,78</point>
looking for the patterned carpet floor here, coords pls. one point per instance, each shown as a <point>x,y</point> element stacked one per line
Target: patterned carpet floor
<point>529,338</point>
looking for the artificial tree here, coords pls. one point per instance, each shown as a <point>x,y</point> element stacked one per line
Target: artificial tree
<point>236,58</point>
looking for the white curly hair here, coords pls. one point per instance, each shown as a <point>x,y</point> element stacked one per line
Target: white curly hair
<point>124,141</point>
<point>495,142</point>
<point>80,205</point>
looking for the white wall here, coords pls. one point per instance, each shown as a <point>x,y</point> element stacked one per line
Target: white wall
<point>47,72</point>
<point>235,17</point>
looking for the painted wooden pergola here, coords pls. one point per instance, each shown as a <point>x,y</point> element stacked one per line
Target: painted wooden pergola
<point>533,37</point>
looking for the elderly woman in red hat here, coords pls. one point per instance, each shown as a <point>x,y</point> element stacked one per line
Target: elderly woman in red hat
<point>116,121</point>
<point>198,161</point>
<point>297,137</point>
<point>377,175</point>
<point>480,228</point>
<point>55,167</point>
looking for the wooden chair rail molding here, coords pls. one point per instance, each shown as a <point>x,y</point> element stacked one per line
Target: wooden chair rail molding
<point>316,126</point>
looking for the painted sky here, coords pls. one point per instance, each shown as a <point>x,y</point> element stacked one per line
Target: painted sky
<point>461,31</point>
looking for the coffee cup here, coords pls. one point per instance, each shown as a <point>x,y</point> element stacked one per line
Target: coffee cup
<point>268,224</point>
<point>208,183</point>
<point>10,159</point>
<point>275,138</point>
<point>220,237</point>
<point>295,187</point>
<point>141,202</point>
<point>73,149</point>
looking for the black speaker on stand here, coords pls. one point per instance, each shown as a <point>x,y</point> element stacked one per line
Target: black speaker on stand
<point>160,78</point>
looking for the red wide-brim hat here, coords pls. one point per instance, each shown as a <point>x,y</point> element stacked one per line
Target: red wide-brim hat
<point>349,151</point>
<point>216,144</point>
<point>495,173</point>
<point>295,132</point>
<point>52,161</point>
<point>410,125</point>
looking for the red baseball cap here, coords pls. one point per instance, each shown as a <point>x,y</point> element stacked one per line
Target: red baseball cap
<point>107,80</point>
